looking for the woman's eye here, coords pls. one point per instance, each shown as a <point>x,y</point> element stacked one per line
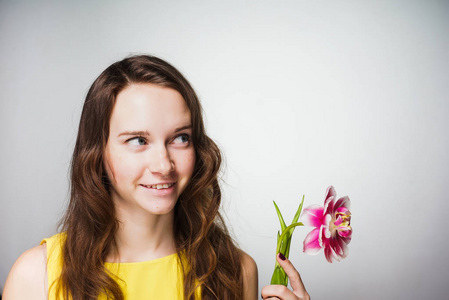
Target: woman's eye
<point>182,139</point>
<point>137,141</point>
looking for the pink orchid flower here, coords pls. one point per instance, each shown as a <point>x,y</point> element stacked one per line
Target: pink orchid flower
<point>332,226</point>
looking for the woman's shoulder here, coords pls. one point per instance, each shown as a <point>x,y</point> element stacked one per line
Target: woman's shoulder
<point>248,263</point>
<point>27,278</point>
<point>250,277</point>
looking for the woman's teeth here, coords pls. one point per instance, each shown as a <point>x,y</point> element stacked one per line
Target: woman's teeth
<point>160,186</point>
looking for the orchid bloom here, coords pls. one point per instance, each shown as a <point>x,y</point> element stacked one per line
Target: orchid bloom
<point>332,226</point>
<point>332,231</point>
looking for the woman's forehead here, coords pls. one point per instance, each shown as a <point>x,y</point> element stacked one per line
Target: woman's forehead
<point>147,105</point>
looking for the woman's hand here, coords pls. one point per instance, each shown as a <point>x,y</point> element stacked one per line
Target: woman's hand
<point>275,292</point>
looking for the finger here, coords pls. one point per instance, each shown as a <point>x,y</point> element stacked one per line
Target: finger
<point>293,275</point>
<point>277,292</point>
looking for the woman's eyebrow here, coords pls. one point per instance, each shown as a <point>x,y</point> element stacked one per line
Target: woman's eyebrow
<point>183,128</point>
<point>146,133</point>
<point>135,133</point>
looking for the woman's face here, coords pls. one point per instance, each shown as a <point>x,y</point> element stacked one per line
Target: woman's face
<point>149,156</point>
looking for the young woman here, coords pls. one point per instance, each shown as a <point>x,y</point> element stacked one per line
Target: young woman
<point>143,219</point>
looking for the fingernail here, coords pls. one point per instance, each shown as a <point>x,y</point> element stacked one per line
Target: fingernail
<point>281,256</point>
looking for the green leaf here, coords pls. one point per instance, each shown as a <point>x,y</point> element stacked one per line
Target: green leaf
<point>287,250</point>
<point>298,213</point>
<point>279,276</point>
<point>281,219</point>
<point>283,246</point>
<point>284,243</point>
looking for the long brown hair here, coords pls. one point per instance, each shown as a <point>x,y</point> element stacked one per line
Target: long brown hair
<point>209,259</point>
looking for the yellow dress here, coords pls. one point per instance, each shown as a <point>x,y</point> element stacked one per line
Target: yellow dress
<point>156,279</point>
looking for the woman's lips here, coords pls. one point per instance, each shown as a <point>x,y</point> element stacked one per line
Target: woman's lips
<point>159,186</point>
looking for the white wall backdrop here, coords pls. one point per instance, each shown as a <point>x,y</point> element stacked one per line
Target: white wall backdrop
<point>298,94</point>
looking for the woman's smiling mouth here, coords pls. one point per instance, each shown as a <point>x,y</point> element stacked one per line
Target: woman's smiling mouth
<point>159,186</point>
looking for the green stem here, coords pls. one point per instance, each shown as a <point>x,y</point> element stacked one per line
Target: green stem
<point>284,232</point>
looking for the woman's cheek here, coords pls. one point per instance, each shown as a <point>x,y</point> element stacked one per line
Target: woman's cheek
<point>190,158</point>
<point>118,166</point>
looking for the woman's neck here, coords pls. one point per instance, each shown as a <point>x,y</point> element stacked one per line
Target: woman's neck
<point>143,237</point>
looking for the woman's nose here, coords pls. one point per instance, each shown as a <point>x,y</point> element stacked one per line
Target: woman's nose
<point>160,161</point>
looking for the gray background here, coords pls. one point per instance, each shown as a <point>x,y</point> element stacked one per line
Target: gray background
<point>298,94</point>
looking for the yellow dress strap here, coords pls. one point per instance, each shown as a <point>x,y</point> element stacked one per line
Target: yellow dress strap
<point>54,262</point>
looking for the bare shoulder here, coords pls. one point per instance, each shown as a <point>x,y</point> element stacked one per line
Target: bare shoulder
<point>248,264</point>
<point>250,277</point>
<point>28,276</point>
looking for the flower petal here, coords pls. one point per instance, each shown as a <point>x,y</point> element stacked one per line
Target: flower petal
<point>324,235</point>
<point>345,232</point>
<point>329,196</point>
<point>343,202</point>
<point>329,205</point>
<point>338,221</point>
<point>326,226</point>
<point>348,237</point>
<point>312,216</point>
<point>343,248</point>
<point>330,255</point>
<point>311,243</point>
<point>343,210</point>
<point>335,250</point>
<point>330,192</point>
